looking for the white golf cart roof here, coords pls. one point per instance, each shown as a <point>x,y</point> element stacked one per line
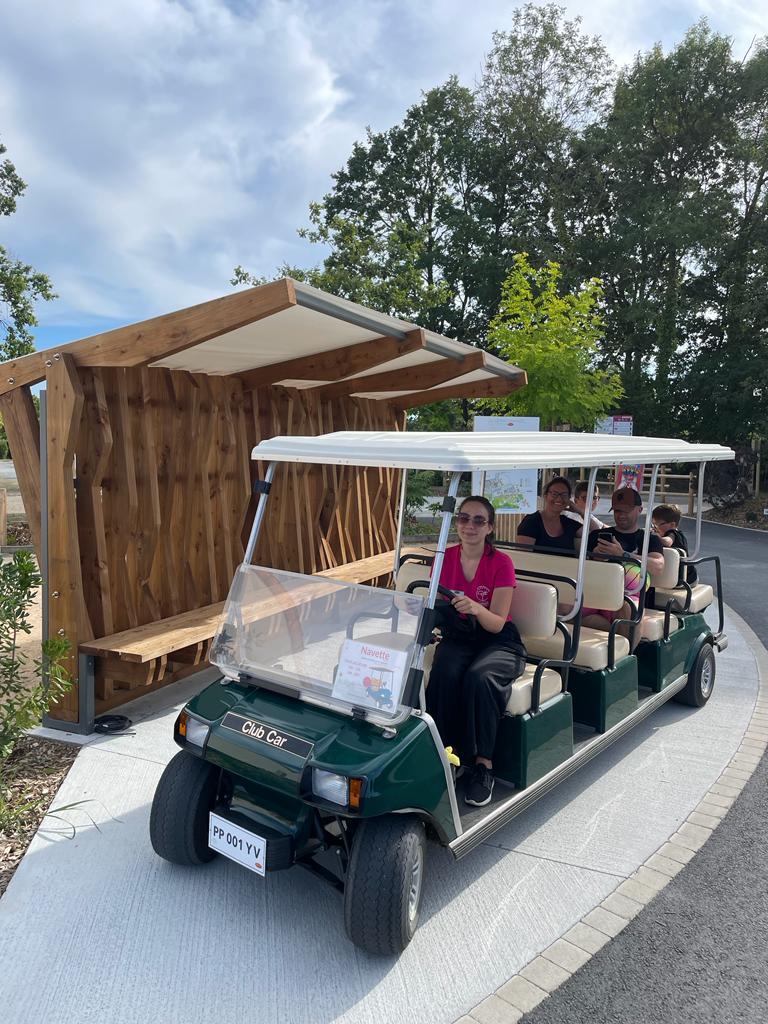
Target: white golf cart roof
<point>464,452</point>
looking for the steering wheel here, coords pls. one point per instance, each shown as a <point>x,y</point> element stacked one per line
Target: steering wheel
<point>454,621</point>
<point>441,590</point>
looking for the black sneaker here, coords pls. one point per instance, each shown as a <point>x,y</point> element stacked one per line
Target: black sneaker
<point>479,786</point>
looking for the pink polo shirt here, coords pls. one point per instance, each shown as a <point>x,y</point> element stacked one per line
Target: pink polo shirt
<point>495,570</point>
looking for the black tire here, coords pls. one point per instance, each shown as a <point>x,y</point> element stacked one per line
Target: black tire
<point>701,679</point>
<point>384,883</point>
<point>178,824</point>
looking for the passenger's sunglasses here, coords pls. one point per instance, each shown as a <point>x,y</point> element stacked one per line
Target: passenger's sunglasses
<point>558,495</point>
<point>465,517</point>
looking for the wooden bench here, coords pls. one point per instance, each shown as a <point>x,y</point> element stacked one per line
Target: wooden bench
<point>161,652</point>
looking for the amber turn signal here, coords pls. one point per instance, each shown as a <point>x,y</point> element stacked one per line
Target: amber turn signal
<point>355,793</point>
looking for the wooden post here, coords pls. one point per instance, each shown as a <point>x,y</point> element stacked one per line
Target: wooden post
<point>23,430</point>
<point>67,617</point>
<point>663,486</point>
<point>690,494</point>
<point>3,517</point>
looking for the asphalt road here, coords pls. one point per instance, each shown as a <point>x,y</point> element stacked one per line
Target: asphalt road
<point>697,953</point>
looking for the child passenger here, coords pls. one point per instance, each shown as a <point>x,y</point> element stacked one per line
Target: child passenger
<point>478,658</point>
<point>666,522</point>
<point>578,507</point>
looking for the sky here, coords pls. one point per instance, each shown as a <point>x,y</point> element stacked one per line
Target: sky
<point>164,142</point>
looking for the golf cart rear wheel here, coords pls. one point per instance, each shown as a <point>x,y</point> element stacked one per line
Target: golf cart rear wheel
<point>701,679</point>
<point>382,891</point>
<point>178,824</point>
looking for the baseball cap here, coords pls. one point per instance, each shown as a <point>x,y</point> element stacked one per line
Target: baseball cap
<point>626,497</point>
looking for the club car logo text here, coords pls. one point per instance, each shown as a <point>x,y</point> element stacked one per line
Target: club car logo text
<point>267,734</point>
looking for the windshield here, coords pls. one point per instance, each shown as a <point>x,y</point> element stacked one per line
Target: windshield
<point>338,644</point>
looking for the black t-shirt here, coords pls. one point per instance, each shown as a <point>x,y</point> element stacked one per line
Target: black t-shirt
<point>680,541</point>
<point>631,542</point>
<point>533,526</point>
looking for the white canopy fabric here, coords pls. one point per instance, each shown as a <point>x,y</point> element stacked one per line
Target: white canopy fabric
<point>320,322</point>
<point>482,452</point>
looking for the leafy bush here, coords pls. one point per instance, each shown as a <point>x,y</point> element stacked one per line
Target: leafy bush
<point>23,703</point>
<point>420,486</point>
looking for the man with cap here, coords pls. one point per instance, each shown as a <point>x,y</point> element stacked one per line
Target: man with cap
<point>625,538</point>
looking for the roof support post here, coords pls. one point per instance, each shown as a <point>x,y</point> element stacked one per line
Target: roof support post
<point>23,431</point>
<point>67,616</point>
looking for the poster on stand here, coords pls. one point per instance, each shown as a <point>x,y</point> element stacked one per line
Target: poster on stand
<point>508,490</point>
<point>621,425</point>
<point>630,476</point>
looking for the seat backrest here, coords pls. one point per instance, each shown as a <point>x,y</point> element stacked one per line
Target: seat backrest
<point>668,579</point>
<point>534,609</point>
<point>603,581</point>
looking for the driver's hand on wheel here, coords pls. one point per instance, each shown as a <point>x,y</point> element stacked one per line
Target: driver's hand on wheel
<point>465,605</point>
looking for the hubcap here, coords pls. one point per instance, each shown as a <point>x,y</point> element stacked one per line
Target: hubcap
<point>707,676</point>
<point>414,888</point>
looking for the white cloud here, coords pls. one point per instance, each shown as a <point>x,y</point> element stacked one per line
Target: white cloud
<point>165,141</point>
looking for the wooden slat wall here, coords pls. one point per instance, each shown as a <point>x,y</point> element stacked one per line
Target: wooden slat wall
<point>164,496</point>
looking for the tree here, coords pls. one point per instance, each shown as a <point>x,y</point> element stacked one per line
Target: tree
<point>726,386</point>
<point>20,284</point>
<point>554,338</point>
<point>661,197</point>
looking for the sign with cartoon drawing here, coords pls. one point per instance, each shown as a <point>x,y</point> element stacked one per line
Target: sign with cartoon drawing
<point>508,490</point>
<point>370,675</point>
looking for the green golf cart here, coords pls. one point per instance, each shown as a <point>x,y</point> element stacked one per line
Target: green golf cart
<point>314,747</point>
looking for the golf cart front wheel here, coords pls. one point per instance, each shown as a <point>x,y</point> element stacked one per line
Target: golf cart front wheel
<point>701,679</point>
<point>178,824</point>
<point>383,887</point>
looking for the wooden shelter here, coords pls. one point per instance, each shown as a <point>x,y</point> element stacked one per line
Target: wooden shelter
<point>138,482</point>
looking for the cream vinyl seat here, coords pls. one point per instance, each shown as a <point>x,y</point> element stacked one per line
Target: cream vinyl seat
<point>603,588</point>
<point>702,594</point>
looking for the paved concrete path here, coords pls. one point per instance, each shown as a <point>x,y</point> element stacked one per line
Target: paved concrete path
<point>97,928</point>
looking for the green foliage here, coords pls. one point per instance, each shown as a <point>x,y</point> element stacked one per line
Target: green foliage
<point>20,285</point>
<point>652,179</point>
<point>554,338</point>
<point>22,704</point>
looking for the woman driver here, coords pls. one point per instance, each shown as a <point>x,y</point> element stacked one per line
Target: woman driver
<point>474,668</point>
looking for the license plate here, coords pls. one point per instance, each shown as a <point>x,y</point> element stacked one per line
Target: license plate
<point>237,843</point>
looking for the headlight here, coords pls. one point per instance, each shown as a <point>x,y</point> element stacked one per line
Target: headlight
<point>331,787</point>
<point>192,731</point>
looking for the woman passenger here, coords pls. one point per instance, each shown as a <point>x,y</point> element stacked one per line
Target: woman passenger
<point>550,528</point>
<point>478,658</point>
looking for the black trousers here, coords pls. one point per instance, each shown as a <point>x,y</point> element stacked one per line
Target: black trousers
<point>469,686</point>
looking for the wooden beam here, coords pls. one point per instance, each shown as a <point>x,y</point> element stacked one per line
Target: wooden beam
<point>493,387</point>
<point>162,336</point>
<point>425,375</point>
<point>23,431</point>
<point>67,615</point>
<point>336,362</point>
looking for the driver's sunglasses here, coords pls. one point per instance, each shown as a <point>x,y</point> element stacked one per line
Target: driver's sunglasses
<point>465,517</point>
<point>559,495</point>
